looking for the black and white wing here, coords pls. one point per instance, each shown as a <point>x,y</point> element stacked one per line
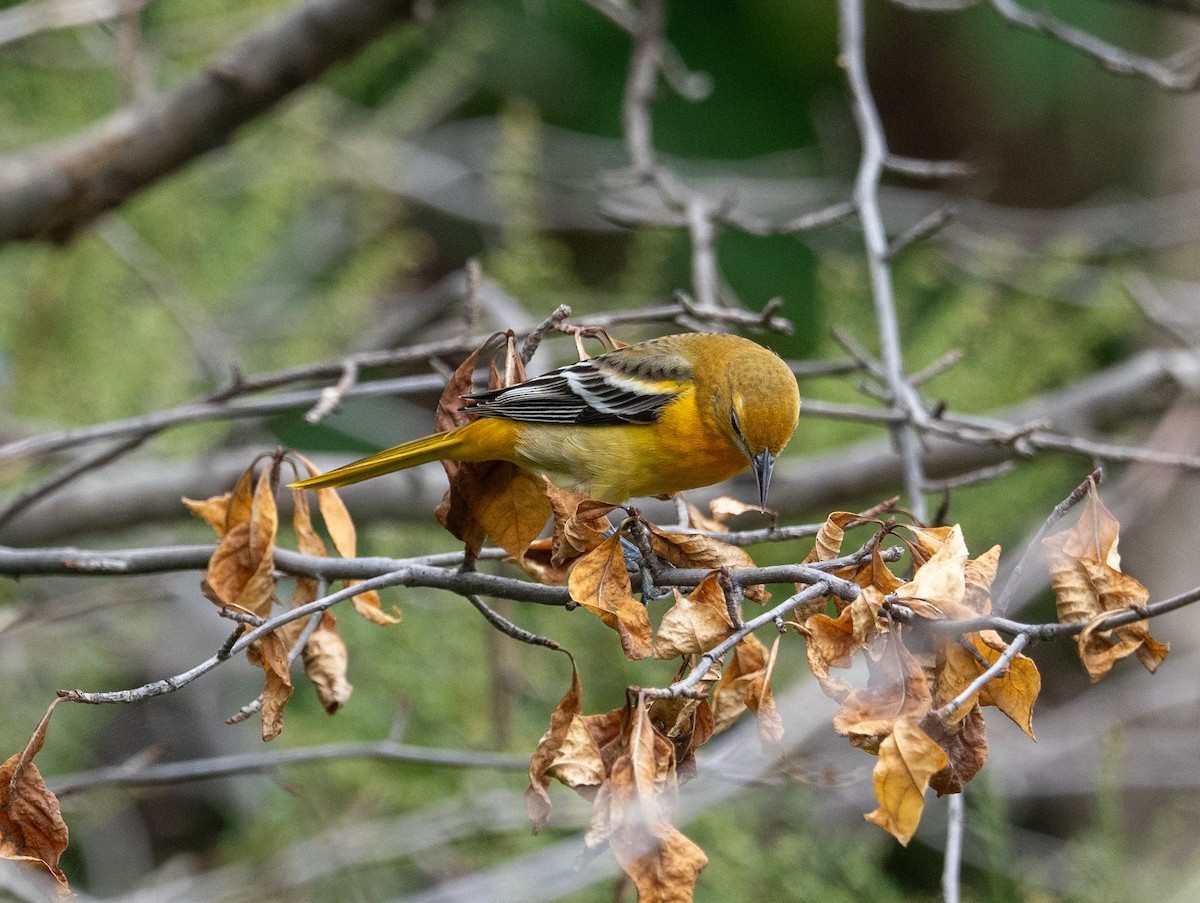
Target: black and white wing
<point>630,385</point>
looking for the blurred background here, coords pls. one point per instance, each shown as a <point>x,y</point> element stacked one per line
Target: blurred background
<point>342,220</point>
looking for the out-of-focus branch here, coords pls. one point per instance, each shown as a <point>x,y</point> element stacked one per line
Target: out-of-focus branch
<point>904,399</point>
<point>138,774</point>
<point>51,192</point>
<point>34,16</point>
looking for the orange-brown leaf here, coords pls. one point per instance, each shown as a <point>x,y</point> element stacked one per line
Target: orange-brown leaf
<point>271,653</point>
<point>690,550</point>
<point>908,759</point>
<point>724,507</point>
<point>566,752</point>
<point>966,747</point>
<point>1014,692</point>
<point>829,538</point>
<point>31,825</point>
<point>631,815</point>
<point>580,523</point>
<point>832,642</point>
<point>599,582</point>
<point>746,684</point>
<point>214,511</point>
<point>939,584</point>
<point>241,572</point>
<point>325,662</point>
<point>979,574</point>
<point>695,623</point>
<point>897,688</point>
<point>1085,571</point>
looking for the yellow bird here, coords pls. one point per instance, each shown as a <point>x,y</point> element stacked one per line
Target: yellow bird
<point>661,416</point>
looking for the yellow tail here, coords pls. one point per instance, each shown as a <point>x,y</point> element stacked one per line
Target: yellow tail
<point>439,446</point>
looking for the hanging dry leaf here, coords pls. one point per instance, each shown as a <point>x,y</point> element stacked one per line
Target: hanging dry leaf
<point>213,511</point>
<point>695,623</point>
<point>31,827</point>
<point>580,523</point>
<point>599,582</point>
<point>724,507</point>
<point>966,747</point>
<point>325,662</point>
<point>897,688</point>
<point>939,584</point>
<point>832,642</point>
<point>1085,571</point>
<point>829,538</point>
<point>980,574</point>
<point>567,752</point>
<point>488,498</point>
<point>690,550</point>
<point>631,817</point>
<point>241,572</point>
<point>908,758</point>
<point>698,520</point>
<point>746,684</point>
<point>270,652</point>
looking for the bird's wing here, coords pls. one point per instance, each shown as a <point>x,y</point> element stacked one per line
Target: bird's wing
<point>630,385</point>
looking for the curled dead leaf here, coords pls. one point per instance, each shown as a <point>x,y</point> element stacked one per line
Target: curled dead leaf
<point>695,623</point>
<point>599,582</point>
<point>325,662</point>
<point>691,550</point>
<point>32,830</point>
<point>1085,571</point>
<point>908,759</point>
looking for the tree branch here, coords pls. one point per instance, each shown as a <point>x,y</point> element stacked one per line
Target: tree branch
<point>52,192</point>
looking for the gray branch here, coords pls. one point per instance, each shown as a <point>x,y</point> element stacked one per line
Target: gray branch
<point>51,192</point>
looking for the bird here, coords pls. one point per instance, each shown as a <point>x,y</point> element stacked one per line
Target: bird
<point>649,419</point>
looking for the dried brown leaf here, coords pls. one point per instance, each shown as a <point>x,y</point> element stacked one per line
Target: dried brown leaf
<point>580,523</point>
<point>690,550</point>
<point>31,826</point>
<point>214,510</point>
<point>966,747</point>
<point>241,572</point>
<point>270,652</point>
<point>832,642</point>
<point>1014,692</point>
<point>897,688</point>
<point>325,662</point>
<point>1085,571</point>
<point>599,582</point>
<point>567,752</point>
<point>746,684</point>
<point>829,538</point>
<point>662,862</point>
<point>695,623</point>
<point>938,586</point>
<point>908,759</point>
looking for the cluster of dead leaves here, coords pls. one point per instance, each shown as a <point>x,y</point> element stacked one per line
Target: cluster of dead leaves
<point>920,710</point>
<point>241,577</point>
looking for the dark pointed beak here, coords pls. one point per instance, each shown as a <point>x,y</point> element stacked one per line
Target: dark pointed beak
<point>763,463</point>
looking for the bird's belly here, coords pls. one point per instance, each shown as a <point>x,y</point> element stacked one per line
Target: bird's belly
<point>615,463</point>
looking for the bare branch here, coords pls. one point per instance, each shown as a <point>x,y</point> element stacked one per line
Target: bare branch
<point>34,16</point>
<point>1113,58</point>
<point>51,192</point>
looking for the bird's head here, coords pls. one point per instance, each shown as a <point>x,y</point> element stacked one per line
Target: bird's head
<point>760,410</point>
